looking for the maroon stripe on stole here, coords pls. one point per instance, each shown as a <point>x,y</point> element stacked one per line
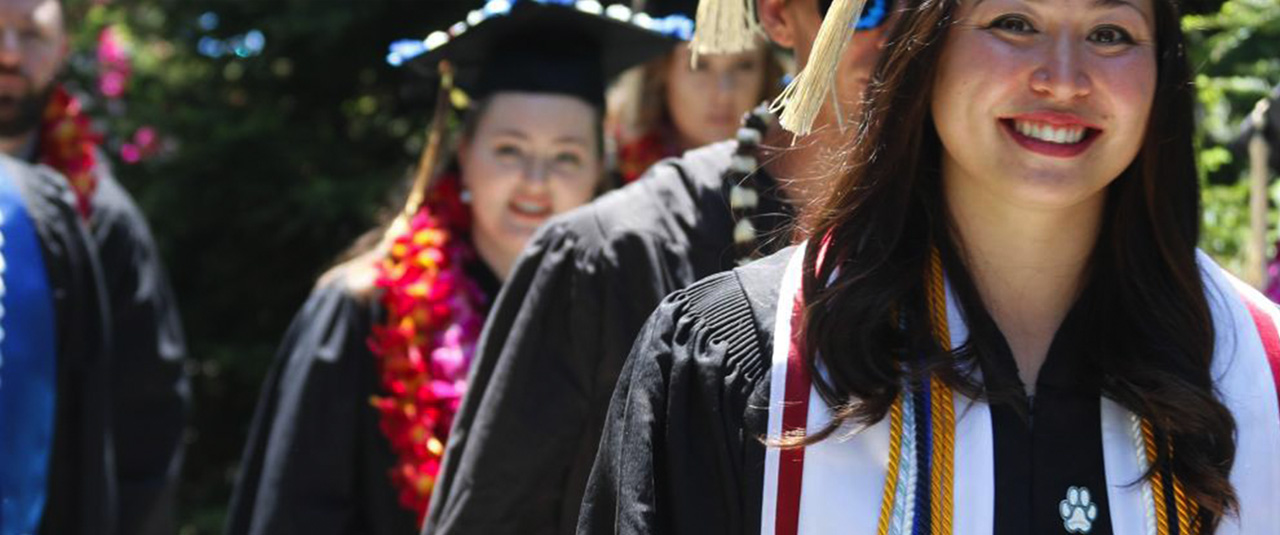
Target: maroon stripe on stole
<point>795,412</point>
<point>1270,340</point>
<point>795,417</point>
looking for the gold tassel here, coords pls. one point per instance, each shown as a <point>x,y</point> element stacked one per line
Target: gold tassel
<point>725,27</point>
<point>430,153</point>
<point>801,101</point>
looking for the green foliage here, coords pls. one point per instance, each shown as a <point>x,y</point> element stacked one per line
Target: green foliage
<point>1236,53</point>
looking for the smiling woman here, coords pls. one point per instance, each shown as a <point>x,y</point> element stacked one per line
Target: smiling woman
<point>1002,324</point>
<point>1019,81</point>
<point>523,158</point>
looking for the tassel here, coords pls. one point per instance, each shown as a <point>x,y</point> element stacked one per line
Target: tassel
<point>725,27</point>
<point>430,153</point>
<point>801,101</point>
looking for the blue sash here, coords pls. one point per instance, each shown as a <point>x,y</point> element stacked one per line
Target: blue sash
<point>28,354</point>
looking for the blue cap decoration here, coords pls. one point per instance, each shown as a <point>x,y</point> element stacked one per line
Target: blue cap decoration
<point>675,25</point>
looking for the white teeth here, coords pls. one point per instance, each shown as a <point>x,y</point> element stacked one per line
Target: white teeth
<point>1066,135</point>
<point>530,208</point>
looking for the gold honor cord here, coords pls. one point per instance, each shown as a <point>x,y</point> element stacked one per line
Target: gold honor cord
<point>891,473</point>
<point>942,473</point>
<point>1186,508</point>
<point>1187,511</point>
<point>944,437</point>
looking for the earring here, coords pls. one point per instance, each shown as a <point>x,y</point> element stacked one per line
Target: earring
<point>465,196</point>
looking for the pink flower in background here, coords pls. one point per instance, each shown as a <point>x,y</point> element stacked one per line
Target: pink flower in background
<point>1272,290</point>
<point>110,51</point>
<point>111,84</point>
<point>145,143</point>
<point>145,137</point>
<point>130,153</point>
<point>113,62</point>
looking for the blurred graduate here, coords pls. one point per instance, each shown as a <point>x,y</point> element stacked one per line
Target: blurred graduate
<point>140,411</point>
<point>673,104</point>
<point>355,413</point>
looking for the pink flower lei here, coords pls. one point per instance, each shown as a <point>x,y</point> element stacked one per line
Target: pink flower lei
<point>425,346</point>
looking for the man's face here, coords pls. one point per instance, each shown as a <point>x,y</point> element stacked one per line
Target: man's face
<point>802,19</point>
<point>32,49</point>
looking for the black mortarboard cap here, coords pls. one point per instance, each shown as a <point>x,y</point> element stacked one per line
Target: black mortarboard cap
<point>540,46</point>
<point>663,8</point>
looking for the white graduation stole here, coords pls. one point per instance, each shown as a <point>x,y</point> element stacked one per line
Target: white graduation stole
<point>838,485</point>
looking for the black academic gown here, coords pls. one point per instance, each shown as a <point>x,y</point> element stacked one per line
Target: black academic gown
<point>316,462</point>
<point>150,391</point>
<point>526,434</point>
<point>681,452</point>
<point>148,347</point>
<point>82,494</point>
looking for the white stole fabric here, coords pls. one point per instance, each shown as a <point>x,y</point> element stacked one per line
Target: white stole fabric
<point>844,476</point>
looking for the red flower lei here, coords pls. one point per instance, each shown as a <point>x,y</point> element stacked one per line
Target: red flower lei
<point>434,317</point>
<point>638,156</point>
<point>68,143</point>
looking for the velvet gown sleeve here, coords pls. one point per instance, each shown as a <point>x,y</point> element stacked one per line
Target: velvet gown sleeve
<point>149,389</point>
<point>681,452</point>
<point>316,462</point>
<point>526,433</point>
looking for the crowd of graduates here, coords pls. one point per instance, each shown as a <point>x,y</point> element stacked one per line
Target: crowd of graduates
<point>670,266</point>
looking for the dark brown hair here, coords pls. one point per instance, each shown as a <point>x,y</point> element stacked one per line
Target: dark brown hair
<point>1148,313</point>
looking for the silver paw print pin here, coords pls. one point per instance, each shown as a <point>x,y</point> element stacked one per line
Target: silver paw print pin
<point>1078,511</point>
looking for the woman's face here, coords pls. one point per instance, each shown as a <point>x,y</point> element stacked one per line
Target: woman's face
<point>531,156</point>
<point>707,102</point>
<point>1043,103</point>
